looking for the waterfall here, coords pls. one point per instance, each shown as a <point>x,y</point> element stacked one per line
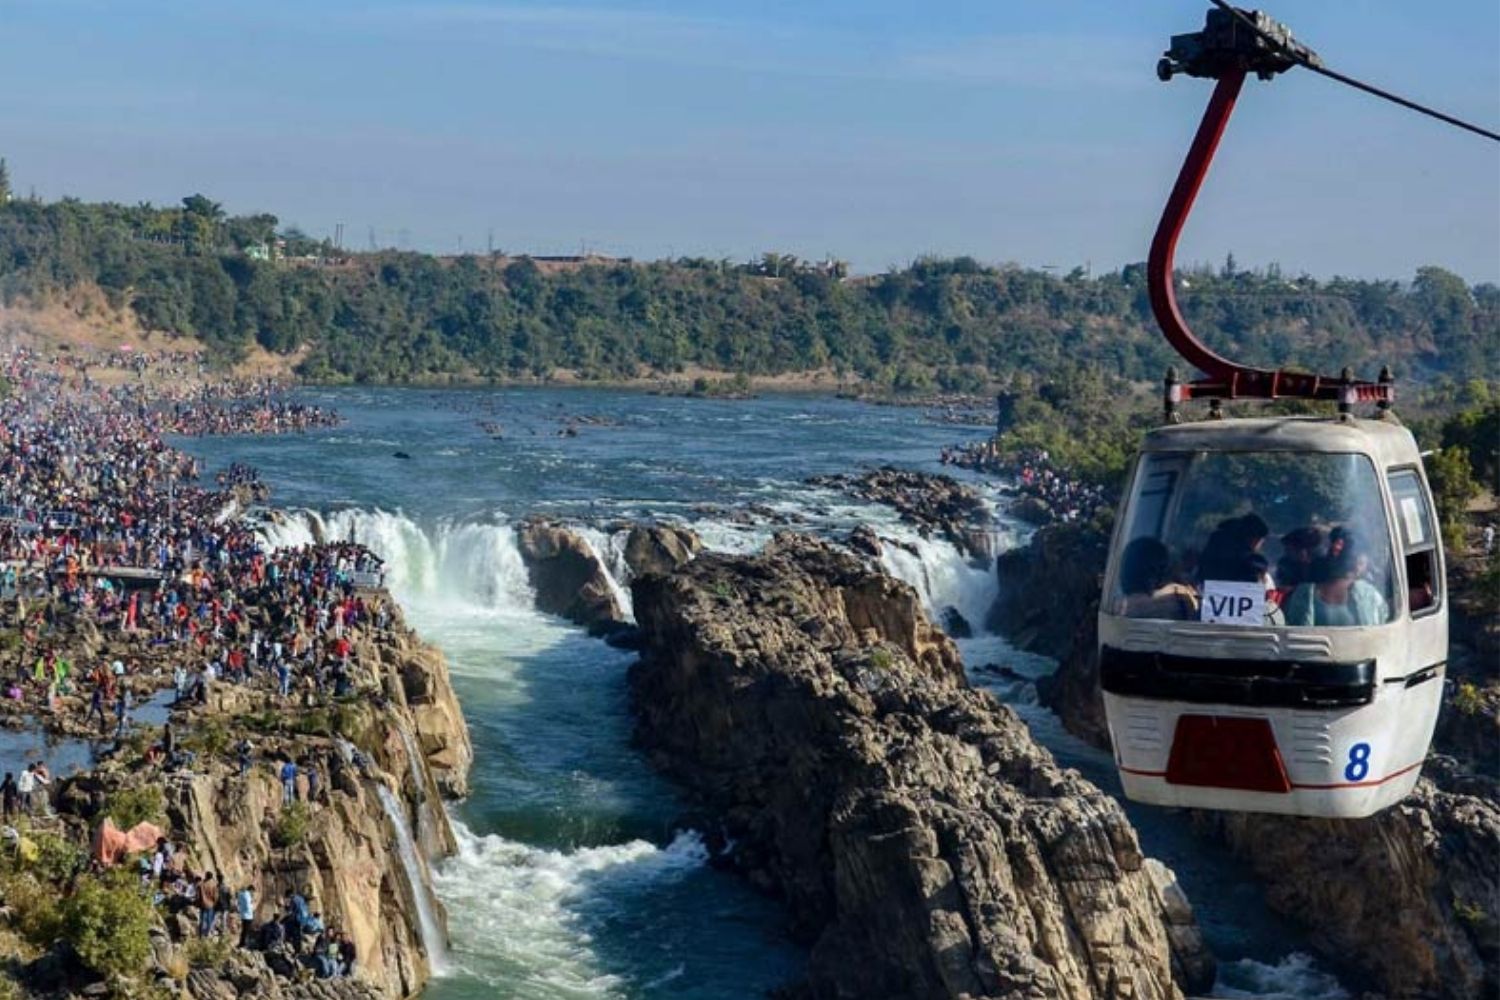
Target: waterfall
<point>610,551</point>
<point>469,564</point>
<point>433,940</point>
<point>414,763</point>
<point>941,575</point>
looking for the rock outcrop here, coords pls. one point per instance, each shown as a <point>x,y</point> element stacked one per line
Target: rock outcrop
<point>1049,604</point>
<point>416,678</point>
<point>659,548</point>
<point>933,503</point>
<point>384,764</point>
<point>924,845</point>
<point>1407,901</point>
<point>569,579</point>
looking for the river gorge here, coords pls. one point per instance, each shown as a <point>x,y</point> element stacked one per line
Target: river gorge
<point>581,871</point>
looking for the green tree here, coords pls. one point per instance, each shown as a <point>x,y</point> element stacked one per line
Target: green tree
<point>1453,486</point>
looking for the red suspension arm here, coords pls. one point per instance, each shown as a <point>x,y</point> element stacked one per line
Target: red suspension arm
<point>1174,217</point>
<point>1226,379</point>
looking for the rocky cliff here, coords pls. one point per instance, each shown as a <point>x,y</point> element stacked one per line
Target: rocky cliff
<point>1406,901</point>
<point>924,845</point>
<point>934,504</point>
<point>357,842</point>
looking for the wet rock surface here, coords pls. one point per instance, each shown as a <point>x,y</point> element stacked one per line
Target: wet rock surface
<point>923,843</point>
<point>568,577</point>
<point>934,504</point>
<point>659,548</point>
<point>1049,604</point>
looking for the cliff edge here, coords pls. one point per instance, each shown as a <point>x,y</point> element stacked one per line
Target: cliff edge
<point>923,843</point>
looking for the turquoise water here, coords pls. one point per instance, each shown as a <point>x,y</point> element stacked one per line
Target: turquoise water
<point>576,877</point>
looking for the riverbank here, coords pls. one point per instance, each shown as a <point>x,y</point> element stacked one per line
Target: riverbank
<point>239,835</point>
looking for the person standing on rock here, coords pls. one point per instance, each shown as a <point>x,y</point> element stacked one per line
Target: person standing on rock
<point>208,901</point>
<point>25,787</point>
<point>122,713</point>
<point>288,782</point>
<point>9,796</point>
<point>225,906</point>
<point>96,708</point>
<point>244,904</point>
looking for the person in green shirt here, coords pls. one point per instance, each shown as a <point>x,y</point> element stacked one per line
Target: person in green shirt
<point>1336,596</point>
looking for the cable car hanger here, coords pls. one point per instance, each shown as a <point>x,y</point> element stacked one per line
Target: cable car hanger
<point>1232,44</point>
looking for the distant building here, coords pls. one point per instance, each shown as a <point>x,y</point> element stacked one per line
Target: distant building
<point>258,251</point>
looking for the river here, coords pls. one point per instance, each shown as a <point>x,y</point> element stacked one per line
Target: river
<point>573,878</point>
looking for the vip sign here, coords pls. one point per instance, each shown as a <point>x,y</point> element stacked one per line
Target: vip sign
<point>1232,603</point>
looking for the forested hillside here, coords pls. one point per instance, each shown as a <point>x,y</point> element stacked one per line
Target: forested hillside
<point>954,324</point>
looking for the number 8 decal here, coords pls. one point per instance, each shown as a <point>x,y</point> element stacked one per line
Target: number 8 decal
<point>1359,762</point>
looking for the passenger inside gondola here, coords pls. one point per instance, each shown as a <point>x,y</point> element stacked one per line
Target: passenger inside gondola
<point>1204,524</point>
<point>1337,595</point>
<point>1149,591</point>
<point>1233,551</point>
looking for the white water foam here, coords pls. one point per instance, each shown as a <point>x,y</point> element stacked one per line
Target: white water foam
<point>1295,977</point>
<point>520,906</point>
<point>940,574</point>
<point>609,549</point>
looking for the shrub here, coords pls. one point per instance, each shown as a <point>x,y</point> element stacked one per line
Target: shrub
<point>142,804</point>
<point>880,658</point>
<point>34,909</point>
<point>291,826</point>
<point>108,923</point>
<point>57,857</point>
<point>350,722</point>
<point>314,722</point>
<point>211,738</point>
<point>1466,700</point>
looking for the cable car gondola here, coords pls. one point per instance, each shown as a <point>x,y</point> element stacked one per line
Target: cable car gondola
<point>1273,630</point>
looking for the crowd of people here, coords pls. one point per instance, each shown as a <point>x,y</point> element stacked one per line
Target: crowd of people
<point>107,526</point>
<point>1054,494</point>
<point>293,931</point>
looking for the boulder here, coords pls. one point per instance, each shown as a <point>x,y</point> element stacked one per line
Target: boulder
<point>955,624</point>
<point>1049,603</point>
<point>864,541</point>
<point>659,548</point>
<point>923,843</point>
<point>568,577</point>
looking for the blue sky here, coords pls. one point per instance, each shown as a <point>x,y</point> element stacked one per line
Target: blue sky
<point>1013,130</point>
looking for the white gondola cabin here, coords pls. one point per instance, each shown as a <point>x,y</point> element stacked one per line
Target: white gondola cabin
<point>1273,630</point>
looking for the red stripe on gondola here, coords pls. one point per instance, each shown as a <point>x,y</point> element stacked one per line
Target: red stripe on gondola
<point>1321,788</point>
